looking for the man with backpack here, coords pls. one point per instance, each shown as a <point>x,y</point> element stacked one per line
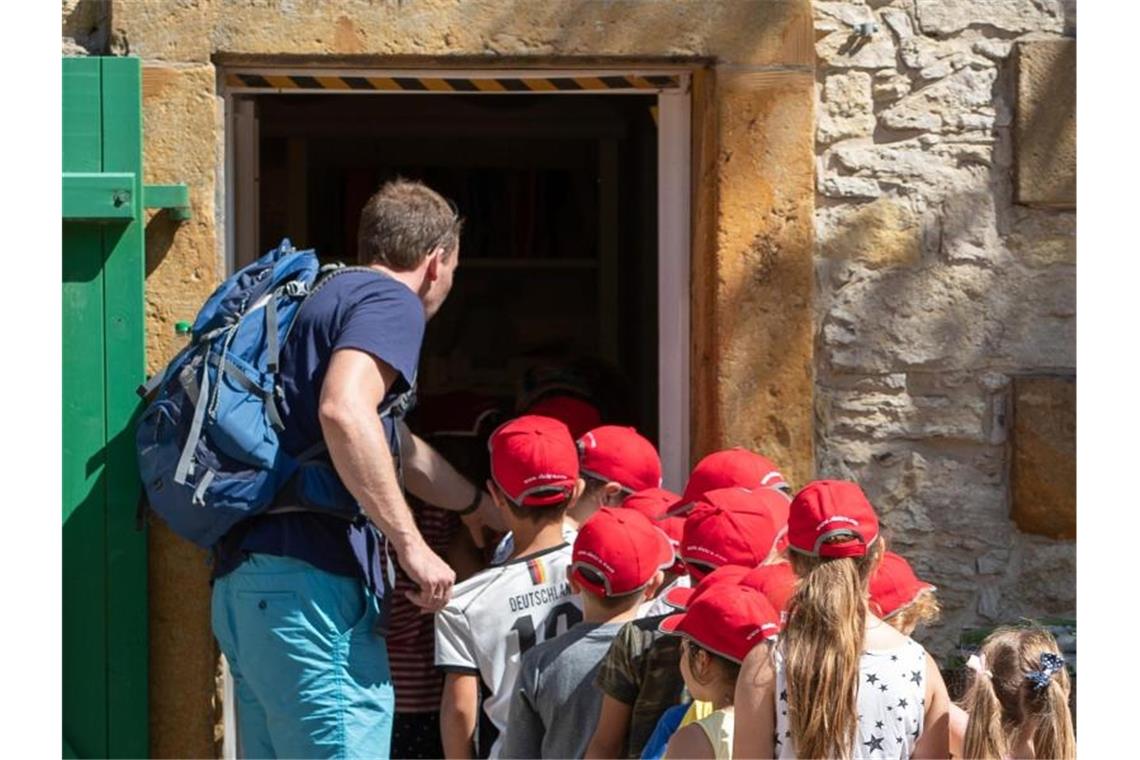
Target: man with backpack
<point>297,588</point>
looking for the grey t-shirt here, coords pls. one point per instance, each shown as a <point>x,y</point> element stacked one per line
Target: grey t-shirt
<point>555,704</point>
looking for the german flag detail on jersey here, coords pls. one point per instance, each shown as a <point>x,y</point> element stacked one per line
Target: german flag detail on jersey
<point>537,571</point>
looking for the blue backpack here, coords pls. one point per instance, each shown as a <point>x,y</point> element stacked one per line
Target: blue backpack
<point>208,443</point>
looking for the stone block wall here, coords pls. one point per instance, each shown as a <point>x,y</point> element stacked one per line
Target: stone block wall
<point>936,291</point>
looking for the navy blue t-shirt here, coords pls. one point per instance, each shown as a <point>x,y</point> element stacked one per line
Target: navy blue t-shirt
<point>361,310</point>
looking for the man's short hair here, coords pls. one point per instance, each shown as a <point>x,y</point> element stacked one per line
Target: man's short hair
<point>403,223</point>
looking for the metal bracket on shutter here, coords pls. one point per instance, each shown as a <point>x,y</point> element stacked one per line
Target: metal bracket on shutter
<point>98,197</point>
<point>175,198</point>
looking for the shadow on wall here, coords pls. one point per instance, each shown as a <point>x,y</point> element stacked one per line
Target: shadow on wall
<point>925,311</point>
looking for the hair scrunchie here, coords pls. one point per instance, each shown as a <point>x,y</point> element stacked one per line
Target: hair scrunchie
<point>978,665</point>
<point>1050,664</point>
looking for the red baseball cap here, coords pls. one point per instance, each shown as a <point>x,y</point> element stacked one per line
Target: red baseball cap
<point>776,581</point>
<point>728,526</point>
<point>652,502</point>
<point>827,509</point>
<point>577,414</point>
<point>681,598</point>
<point>728,620</point>
<point>534,460</point>
<point>781,511</point>
<point>613,452</point>
<point>894,586</point>
<point>618,551</point>
<point>727,468</point>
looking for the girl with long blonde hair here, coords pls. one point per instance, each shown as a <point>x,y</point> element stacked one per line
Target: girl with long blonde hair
<point>840,683</point>
<point>1018,698</point>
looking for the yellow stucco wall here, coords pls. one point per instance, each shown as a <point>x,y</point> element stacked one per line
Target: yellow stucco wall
<point>752,212</point>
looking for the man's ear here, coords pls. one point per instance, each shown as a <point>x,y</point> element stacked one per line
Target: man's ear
<point>579,487</point>
<point>431,274</point>
<point>611,493</point>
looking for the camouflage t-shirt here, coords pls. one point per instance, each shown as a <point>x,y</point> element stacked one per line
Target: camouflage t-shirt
<point>643,670</point>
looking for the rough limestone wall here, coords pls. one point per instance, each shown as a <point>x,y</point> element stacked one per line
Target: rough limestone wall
<point>934,288</point>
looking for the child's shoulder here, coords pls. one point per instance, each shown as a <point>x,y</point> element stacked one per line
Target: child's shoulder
<point>645,626</point>
<point>689,741</point>
<point>467,592</point>
<point>881,637</point>
<point>516,576</point>
<point>637,636</point>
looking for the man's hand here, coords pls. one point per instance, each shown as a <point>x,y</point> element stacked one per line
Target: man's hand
<point>430,573</point>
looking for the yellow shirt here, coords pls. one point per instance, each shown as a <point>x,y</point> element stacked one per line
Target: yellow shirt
<point>718,728</point>
<point>697,710</point>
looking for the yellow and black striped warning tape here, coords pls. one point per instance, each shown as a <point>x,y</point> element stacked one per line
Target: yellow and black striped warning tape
<point>453,84</point>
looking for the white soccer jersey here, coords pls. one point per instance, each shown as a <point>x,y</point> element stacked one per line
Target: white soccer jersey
<point>498,614</point>
<point>506,546</point>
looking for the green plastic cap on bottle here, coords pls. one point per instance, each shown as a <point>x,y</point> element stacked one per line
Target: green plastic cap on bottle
<point>182,328</point>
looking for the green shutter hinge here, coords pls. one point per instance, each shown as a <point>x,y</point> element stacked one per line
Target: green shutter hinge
<point>175,198</point>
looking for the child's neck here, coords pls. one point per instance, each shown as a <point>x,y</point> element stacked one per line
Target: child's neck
<point>531,538</point>
<point>724,695</point>
<point>580,512</point>
<point>1022,744</point>
<point>592,612</point>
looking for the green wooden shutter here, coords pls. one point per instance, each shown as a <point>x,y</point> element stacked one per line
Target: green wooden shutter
<point>104,556</point>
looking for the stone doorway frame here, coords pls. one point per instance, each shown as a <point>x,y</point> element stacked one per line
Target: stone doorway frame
<point>753,198</point>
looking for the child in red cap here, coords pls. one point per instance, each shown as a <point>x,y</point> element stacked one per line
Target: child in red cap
<point>653,503</point>
<point>614,461</point>
<point>619,556</point>
<point>720,627</point>
<point>775,581</point>
<point>899,597</point>
<point>841,684</point>
<point>728,526</point>
<point>496,615</point>
<point>731,526</point>
<point>725,469</point>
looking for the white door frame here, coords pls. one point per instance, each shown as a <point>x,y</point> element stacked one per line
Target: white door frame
<point>674,254</point>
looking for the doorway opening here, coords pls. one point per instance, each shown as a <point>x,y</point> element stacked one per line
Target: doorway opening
<point>575,244</point>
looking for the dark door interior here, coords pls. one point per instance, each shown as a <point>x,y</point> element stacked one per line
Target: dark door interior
<point>558,257</point>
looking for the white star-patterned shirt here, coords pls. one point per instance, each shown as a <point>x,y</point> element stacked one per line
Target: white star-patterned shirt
<point>892,703</point>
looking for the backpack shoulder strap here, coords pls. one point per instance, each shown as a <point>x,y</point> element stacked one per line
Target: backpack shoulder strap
<point>329,271</point>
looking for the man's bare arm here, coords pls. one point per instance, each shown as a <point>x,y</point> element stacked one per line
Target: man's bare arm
<point>432,478</point>
<point>352,390</point>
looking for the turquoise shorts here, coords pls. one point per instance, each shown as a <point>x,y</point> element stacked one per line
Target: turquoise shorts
<point>311,677</point>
